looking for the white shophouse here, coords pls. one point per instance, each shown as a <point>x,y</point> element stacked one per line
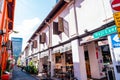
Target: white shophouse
<point>74,36</point>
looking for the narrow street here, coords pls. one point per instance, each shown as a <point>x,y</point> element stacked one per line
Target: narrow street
<point>21,75</point>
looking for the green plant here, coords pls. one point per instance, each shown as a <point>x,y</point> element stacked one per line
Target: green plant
<point>31,68</point>
<point>8,66</point>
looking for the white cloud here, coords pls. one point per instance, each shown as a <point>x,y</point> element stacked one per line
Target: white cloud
<point>26,29</point>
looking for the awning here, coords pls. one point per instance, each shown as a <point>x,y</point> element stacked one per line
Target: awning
<point>62,48</point>
<point>43,54</point>
<point>35,58</point>
<point>88,41</point>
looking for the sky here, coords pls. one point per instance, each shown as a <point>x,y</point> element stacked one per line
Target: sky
<point>28,16</point>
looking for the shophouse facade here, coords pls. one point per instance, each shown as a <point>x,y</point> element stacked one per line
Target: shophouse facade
<point>70,38</point>
<point>7,8</point>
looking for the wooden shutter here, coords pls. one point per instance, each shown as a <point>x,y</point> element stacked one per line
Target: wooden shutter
<point>31,46</point>
<point>55,28</point>
<point>43,38</point>
<point>10,10</point>
<point>60,24</point>
<point>35,44</point>
<point>10,25</point>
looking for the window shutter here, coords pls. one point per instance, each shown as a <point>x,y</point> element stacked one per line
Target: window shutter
<point>9,9</point>
<point>60,24</point>
<point>10,25</point>
<point>55,28</point>
<point>35,44</point>
<point>43,38</point>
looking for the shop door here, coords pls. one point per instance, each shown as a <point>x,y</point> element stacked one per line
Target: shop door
<point>87,63</point>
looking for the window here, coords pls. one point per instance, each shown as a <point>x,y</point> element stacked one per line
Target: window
<point>58,58</point>
<point>43,38</point>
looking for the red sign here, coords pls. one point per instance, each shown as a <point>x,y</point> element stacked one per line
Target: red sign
<point>116,5</point>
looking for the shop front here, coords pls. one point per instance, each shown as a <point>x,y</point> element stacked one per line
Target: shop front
<point>43,62</point>
<point>98,58</point>
<point>63,64</point>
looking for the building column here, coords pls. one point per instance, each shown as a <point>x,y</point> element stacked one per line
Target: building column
<point>40,65</point>
<point>52,63</point>
<point>93,57</point>
<point>78,60</point>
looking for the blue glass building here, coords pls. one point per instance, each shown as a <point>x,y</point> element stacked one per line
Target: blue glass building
<point>17,46</point>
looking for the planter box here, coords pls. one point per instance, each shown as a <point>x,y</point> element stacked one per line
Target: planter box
<point>5,77</point>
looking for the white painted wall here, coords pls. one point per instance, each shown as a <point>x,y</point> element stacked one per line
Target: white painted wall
<point>94,64</point>
<point>30,51</point>
<point>78,61</point>
<point>92,13</point>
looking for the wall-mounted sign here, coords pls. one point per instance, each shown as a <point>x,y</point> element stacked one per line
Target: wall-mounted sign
<point>114,44</point>
<point>117,22</point>
<point>115,41</point>
<point>115,5</point>
<point>105,32</point>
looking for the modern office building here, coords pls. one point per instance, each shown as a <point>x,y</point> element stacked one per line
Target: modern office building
<point>17,46</point>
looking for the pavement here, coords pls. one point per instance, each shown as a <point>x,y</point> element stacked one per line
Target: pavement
<point>17,74</point>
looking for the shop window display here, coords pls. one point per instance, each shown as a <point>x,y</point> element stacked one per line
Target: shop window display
<point>106,54</point>
<point>58,59</point>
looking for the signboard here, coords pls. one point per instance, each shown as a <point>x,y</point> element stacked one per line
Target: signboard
<point>105,32</point>
<point>115,41</point>
<point>117,22</point>
<point>114,44</point>
<point>115,5</point>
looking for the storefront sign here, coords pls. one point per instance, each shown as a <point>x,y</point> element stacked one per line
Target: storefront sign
<point>105,32</point>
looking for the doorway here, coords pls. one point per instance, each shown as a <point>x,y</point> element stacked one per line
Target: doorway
<point>87,63</point>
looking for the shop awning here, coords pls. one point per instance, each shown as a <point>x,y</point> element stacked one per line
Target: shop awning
<point>35,58</point>
<point>43,54</point>
<point>62,48</point>
<point>88,41</point>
